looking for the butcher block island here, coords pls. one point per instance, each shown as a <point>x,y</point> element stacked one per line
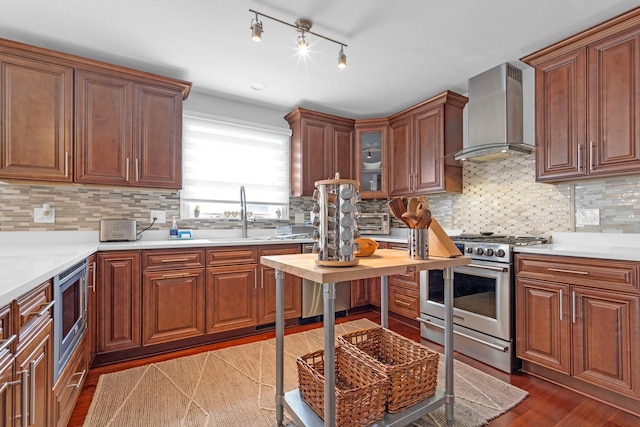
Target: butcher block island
<point>383,263</point>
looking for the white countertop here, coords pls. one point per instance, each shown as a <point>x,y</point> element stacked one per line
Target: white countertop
<point>28,259</point>
<point>589,245</point>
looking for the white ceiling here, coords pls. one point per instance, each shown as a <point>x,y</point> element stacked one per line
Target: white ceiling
<point>399,52</point>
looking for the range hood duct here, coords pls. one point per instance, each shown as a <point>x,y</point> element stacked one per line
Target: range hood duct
<point>495,116</point>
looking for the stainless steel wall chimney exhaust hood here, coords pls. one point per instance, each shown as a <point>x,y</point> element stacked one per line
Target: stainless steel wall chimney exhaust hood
<point>495,116</point>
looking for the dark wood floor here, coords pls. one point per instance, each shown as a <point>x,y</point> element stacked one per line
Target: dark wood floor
<point>546,405</point>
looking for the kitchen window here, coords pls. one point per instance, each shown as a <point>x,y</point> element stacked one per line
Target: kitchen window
<point>220,156</point>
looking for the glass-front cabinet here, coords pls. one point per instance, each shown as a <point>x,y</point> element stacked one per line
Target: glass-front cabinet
<point>371,158</point>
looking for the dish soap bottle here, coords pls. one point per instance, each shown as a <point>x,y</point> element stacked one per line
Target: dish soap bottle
<point>173,232</point>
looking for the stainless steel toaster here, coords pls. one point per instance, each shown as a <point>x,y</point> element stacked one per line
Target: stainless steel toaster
<point>117,230</point>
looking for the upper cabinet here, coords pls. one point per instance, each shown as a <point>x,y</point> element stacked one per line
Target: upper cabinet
<point>371,161</point>
<point>424,139</point>
<point>70,119</point>
<point>587,103</point>
<point>321,146</point>
<point>36,119</point>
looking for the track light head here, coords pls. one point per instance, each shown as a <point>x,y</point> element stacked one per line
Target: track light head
<point>342,58</point>
<point>303,44</point>
<point>256,30</point>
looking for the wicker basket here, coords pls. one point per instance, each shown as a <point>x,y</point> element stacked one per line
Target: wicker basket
<point>361,389</point>
<point>411,367</point>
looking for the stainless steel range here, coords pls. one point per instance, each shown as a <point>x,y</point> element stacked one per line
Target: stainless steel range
<point>483,313</point>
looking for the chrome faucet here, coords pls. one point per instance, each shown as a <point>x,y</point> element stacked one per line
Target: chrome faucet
<point>243,211</point>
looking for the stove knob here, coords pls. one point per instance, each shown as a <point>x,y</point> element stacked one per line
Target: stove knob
<point>489,252</point>
<point>469,250</point>
<point>479,251</point>
<point>500,253</point>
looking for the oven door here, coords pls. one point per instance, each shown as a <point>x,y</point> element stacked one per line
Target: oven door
<point>482,297</point>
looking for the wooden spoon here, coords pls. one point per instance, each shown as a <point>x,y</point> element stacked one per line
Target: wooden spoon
<point>424,200</point>
<point>424,217</point>
<point>412,206</point>
<point>397,207</point>
<point>410,219</point>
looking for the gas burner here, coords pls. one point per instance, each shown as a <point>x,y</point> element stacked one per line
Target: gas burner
<point>503,239</point>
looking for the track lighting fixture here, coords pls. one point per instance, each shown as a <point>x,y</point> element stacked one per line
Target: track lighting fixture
<point>303,26</point>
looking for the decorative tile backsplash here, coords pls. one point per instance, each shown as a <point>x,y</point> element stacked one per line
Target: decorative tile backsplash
<point>500,196</point>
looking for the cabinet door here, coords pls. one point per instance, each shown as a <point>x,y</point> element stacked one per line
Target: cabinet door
<point>359,292</point>
<point>400,158</point>
<point>6,388</point>
<point>614,104</point>
<point>173,306</point>
<point>314,154</point>
<point>267,299</point>
<point>231,293</point>
<point>341,158</point>
<point>429,141</point>
<point>37,360</point>
<point>157,137</point>
<point>92,309</point>
<point>543,324</point>
<point>36,121</point>
<point>606,340</point>
<point>560,117</point>
<point>371,148</point>
<point>403,301</point>
<point>118,301</point>
<point>103,129</point>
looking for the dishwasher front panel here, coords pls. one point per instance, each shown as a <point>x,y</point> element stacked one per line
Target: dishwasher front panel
<point>313,301</point>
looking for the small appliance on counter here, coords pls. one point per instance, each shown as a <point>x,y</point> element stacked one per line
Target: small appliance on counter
<point>117,230</point>
<point>373,223</point>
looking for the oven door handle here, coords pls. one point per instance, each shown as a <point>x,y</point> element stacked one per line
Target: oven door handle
<point>469,337</point>
<point>487,267</point>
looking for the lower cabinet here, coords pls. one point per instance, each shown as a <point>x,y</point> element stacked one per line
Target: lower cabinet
<point>231,297</point>
<point>266,300</point>
<point>578,323</point>
<point>36,359</point>
<point>119,293</point>
<point>69,385</point>
<point>173,306</point>
<point>360,293</point>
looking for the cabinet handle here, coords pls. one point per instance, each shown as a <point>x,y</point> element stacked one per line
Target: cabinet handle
<point>560,270</point>
<point>25,397</point>
<point>573,306</point>
<point>8,384</point>
<point>66,164</point>
<point>137,173</point>
<point>93,282</point>
<point>32,392</point>
<point>174,276</point>
<point>402,303</point>
<point>5,343</point>
<point>591,156</point>
<point>126,171</point>
<point>175,260</point>
<point>579,157</point>
<point>560,304</point>
<point>82,374</point>
<point>262,278</point>
<point>44,310</point>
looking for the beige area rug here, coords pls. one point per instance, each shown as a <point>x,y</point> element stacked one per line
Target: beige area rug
<point>235,386</point>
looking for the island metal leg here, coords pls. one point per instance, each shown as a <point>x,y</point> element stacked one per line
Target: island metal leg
<point>384,301</point>
<point>329,293</point>
<point>448,342</point>
<point>279,346</point>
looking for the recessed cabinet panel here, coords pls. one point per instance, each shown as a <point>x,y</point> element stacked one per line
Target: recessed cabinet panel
<point>372,165</point>
<point>36,121</point>
<point>231,293</point>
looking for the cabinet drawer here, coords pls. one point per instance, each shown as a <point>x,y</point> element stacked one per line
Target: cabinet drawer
<point>32,309</point>
<point>597,273</point>
<point>280,250</point>
<point>6,340</point>
<point>404,301</point>
<point>170,260</point>
<point>232,256</point>
<point>69,385</point>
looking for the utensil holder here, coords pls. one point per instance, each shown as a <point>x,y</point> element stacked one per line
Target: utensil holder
<point>418,246</point>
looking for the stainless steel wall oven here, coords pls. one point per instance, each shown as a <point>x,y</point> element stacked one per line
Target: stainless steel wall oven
<point>70,313</point>
<point>483,313</point>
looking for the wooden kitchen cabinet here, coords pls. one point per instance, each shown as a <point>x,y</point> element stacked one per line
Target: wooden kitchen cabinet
<point>321,146</point>
<point>577,324</point>
<point>423,140</point>
<point>360,292</point>
<point>587,105</point>
<point>7,367</point>
<point>127,133</point>
<point>370,148</point>
<point>67,389</point>
<point>266,298</point>
<point>119,308</point>
<point>230,301</point>
<point>36,118</point>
